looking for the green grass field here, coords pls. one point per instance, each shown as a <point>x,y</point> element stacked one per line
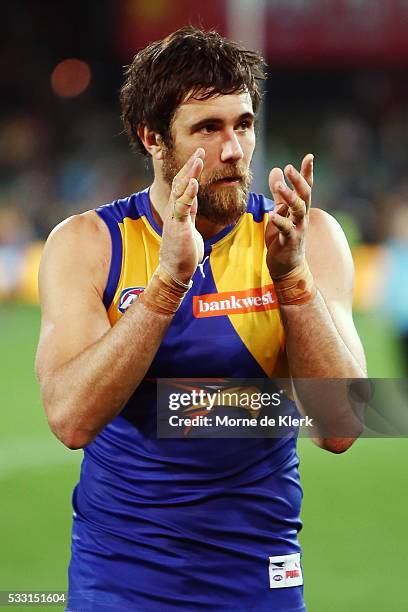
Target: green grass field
<point>354,539</point>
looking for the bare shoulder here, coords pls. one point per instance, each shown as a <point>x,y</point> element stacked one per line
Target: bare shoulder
<point>328,253</point>
<point>73,275</point>
<point>80,244</point>
<point>326,227</point>
<point>87,227</point>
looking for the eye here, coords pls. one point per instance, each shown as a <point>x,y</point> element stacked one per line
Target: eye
<point>244,125</point>
<point>208,128</point>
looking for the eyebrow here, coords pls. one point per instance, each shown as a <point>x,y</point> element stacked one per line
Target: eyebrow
<point>218,121</point>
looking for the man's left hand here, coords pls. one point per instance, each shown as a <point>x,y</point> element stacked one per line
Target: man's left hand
<point>288,223</point>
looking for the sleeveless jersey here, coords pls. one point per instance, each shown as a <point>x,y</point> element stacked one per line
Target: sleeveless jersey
<point>190,524</point>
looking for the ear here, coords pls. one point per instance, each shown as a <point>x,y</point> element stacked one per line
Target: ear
<point>152,141</point>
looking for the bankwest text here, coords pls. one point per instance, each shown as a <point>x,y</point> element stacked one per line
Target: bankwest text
<point>234,302</point>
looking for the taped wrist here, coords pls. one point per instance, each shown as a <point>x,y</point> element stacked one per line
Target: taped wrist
<point>297,287</point>
<point>164,293</point>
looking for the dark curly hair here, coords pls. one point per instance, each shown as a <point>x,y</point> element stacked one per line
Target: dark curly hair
<point>188,62</point>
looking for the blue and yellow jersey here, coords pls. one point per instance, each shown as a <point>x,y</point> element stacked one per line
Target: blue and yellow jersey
<point>231,304</point>
<point>187,523</point>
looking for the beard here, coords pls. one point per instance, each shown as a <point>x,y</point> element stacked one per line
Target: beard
<point>218,203</point>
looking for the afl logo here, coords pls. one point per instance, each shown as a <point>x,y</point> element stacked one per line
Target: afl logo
<point>278,577</point>
<point>128,296</point>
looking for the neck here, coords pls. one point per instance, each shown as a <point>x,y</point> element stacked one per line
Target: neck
<point>159,197</point>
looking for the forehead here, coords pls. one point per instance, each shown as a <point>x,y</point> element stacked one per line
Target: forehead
<point>222,106</point>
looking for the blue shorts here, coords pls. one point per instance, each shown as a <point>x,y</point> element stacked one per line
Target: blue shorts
<point>108,574</point>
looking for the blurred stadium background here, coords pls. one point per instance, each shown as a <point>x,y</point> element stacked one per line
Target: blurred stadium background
<point>338,87</point>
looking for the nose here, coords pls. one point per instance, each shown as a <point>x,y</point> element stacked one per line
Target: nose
<point>231,149</point>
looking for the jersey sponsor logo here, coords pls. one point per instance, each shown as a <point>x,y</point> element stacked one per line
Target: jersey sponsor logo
<point>292,573</point>
<point>285,571</point>
<point>234,302</point>
<point>128,296</point>
<point>202,264</point>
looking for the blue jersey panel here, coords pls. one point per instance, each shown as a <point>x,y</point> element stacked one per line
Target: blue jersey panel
<point>184,524</point>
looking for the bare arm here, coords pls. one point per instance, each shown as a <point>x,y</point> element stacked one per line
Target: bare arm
<point>321,340</point>
<point>86,368</point>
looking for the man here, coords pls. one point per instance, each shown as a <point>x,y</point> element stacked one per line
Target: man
<point>190,524</point>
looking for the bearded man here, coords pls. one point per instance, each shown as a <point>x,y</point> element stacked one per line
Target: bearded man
<point>152,286</point>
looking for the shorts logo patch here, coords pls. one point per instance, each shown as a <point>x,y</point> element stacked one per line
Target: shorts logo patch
<point>128,296</point>
<point>234,302</point>
<point>285,571</point>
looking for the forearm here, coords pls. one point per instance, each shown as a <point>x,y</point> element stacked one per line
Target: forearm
<point>314,347</point>
<point>321,341</point>
<point>86,393</point>
<point>319,361</point>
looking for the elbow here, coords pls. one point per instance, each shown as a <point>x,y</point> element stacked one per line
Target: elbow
<point>335,445</point>
<point>75,440</point>
<point>60,422</point>
<point>72,438</point>
<point>61,418</point>
<point>340,442</point>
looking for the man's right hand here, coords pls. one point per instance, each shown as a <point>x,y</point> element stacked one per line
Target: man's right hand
<point>182,247</point>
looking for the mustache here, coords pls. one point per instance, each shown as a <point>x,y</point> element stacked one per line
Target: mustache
<point>237,172</point>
